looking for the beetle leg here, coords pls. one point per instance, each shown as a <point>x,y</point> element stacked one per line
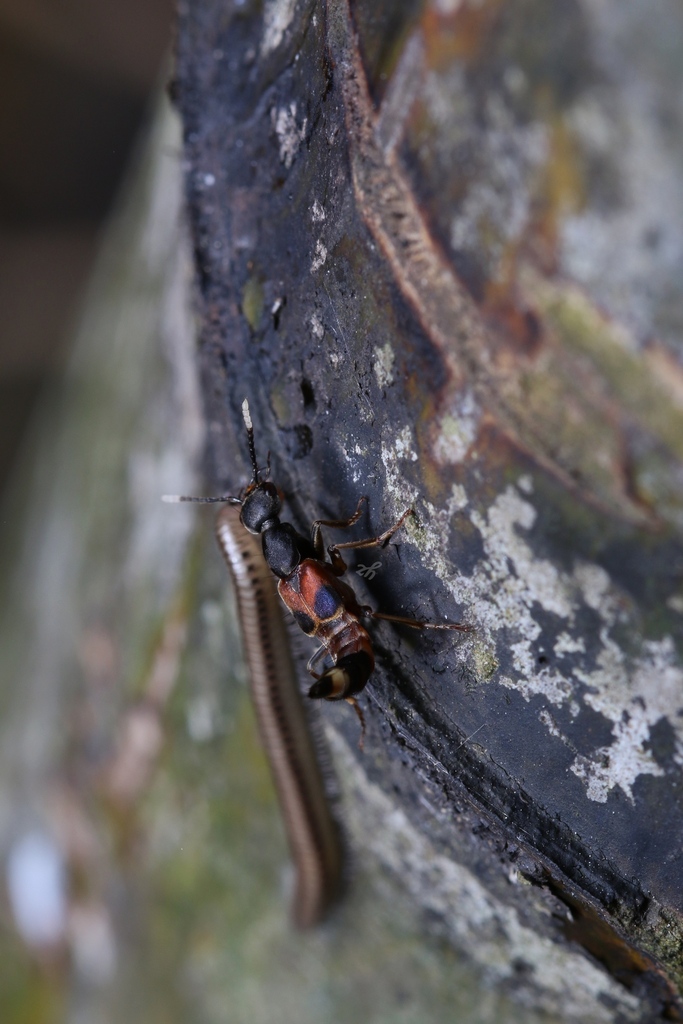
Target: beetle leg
<point>338,564</point>
<point>314,659</point>
<point>333,524</point>
<point>417,623</point>
<point>369,542</point>
<point>361,718</point>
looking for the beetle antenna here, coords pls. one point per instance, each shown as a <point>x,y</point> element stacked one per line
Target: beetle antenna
<point>246,415</point>
<point>173,499</point>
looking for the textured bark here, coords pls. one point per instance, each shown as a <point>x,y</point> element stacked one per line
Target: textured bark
<point>143,856</point>
<point>436,248</point>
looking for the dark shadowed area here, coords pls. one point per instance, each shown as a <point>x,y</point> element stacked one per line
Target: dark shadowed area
<point>75,85</point>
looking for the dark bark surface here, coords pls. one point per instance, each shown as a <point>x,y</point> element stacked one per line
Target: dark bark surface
<point>145,869</point>
<point>435,250</point>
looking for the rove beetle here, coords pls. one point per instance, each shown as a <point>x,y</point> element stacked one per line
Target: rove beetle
<point>323,605</point>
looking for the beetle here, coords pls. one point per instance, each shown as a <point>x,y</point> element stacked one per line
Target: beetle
<point>323,605</point>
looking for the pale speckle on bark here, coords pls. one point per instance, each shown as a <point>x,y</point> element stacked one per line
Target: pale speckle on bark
<point>319,257</point>
<point>289,133</point>
<point>384,365</point>
<point>277,17</point>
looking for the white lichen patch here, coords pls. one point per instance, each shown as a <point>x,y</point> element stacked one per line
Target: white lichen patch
<point>597,590</point>
<point>634,700</point>
<point>290,135</point>
<point>549,722</point>
<point>277,17</point>
<point>383,365</point>
<point>498,202</point>
<point>317,328</point>
<point>457,431</point>
<point>402,494</point>
<point>566,644</point>
<point>678,752</point>
<point>403,445</point>
<point>458,499</point>
<point>537,580</point>
<point>508,582</point>
<point>637,287</point>
<point>508,586</point>
<point>476,920</point>
<point>450,7</point>
<point>317,212</point>
<point>394,450</point>
<point>356,459</point>
<point>551,684</point>
<point>319,257</point>
<point>621,763</point>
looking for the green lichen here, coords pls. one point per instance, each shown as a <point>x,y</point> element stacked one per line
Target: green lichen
<point>560,420</point>
<point>595,387</point>
<point>484,661</point>
<point>659,934</point>
<point>627,373</point>
<point>252,302</point>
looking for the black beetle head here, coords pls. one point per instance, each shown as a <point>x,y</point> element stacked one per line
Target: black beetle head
<point>261,504</point>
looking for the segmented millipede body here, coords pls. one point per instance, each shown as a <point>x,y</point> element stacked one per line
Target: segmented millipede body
<point>312,832</point>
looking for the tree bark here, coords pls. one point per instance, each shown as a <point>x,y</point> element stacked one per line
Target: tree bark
<point>143,857</point>
<point>436,251</point>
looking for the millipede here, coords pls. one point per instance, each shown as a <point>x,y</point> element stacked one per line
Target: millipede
<point>312,832</point>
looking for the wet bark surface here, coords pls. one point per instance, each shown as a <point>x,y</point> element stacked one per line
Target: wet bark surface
<point>436,251</point>
<point>145,872</point>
